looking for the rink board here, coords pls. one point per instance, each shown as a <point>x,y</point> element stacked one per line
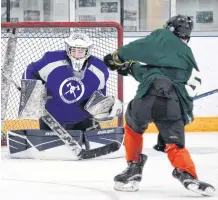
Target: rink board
<point>34,124</point>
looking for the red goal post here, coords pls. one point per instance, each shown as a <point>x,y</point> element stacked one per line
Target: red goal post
<point>33,39</point>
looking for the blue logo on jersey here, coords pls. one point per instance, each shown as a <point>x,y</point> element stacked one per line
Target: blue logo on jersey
<point>71,90</point>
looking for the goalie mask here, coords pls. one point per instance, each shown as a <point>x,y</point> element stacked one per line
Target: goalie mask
<point>78,48</point>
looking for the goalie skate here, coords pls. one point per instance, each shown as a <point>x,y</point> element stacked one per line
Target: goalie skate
<point>129,179</point>
<point>190,183</point>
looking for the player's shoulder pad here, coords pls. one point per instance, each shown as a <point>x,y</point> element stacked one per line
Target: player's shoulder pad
<point>160,31</point>
<point>55,55</point>
<point>50,61</point>
<point>96,61</point>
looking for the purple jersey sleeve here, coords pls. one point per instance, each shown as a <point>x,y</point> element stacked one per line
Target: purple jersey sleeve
<point>97,62</point>
<point>32,70</point>
<point>106,79</point>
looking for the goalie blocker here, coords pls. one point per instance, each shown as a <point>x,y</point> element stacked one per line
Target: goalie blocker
<point>44,144</point>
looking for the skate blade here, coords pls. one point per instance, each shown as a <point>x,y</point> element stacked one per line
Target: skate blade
<point>131,186</point>
<point>209,191</point>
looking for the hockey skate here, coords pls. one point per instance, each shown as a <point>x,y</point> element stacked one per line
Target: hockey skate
<point>190,183</point>
<point>129,179</point>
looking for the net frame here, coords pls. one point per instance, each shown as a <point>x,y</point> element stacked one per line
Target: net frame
<point>105,24</point>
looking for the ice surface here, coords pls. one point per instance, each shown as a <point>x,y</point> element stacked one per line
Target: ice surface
<point>93,179</point>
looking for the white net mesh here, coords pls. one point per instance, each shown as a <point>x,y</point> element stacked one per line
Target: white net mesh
<point>33,42</point>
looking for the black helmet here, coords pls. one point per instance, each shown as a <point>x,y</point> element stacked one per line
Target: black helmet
<point>180,25</point>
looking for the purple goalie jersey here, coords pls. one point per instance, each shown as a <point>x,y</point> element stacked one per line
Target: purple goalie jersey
<point>68,92</point>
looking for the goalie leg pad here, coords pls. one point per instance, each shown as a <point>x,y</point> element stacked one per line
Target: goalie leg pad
<point>102,137</point>
<point>37,143</point>
<point>17,141</point>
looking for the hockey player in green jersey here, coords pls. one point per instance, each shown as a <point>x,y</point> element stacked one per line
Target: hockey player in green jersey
<point>168,77</point>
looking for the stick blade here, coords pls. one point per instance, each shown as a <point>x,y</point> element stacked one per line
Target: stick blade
<point>101,151</point>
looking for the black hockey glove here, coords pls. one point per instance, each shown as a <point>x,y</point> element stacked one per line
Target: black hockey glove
<point>108,61</point>
<point>113,62</point>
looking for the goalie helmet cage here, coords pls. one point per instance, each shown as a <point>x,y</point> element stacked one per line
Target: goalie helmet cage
<point>29,43</point>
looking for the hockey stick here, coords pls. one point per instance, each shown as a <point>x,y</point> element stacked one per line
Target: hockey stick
<point>73,144</point>
<point>205,94</point>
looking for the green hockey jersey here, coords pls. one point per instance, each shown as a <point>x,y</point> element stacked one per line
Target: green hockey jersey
<point>163,54</point>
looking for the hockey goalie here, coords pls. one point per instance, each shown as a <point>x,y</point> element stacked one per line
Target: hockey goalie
<point>71,86</point>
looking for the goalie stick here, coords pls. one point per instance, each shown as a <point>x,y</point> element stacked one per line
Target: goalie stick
<point>74,146</point>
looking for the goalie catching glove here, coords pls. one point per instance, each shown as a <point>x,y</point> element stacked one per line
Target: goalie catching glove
<point>103,108</point>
